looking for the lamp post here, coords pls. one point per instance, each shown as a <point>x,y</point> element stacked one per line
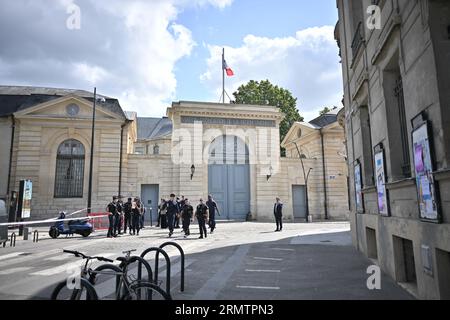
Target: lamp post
<point>306,177</point>
<point>192,171</point>
<point>89,204</point>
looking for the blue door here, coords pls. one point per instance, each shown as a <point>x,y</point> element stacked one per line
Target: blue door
<point>229,177</point>
<point>299,201</point>
<point>150,199</point>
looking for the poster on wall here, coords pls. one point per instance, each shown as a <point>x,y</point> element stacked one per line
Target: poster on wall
<point>423,167</point>
<point>358,189</point>
<point>25,196</point>
<point>382,197</point>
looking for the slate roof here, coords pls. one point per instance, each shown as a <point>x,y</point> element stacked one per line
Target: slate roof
<point>16,98</point>
<point>153,128</point>
<point>326,119</point>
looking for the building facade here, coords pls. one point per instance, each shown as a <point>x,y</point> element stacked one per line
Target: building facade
<point>397,95</point>
<point>319,148</point>
<point>230,151</point>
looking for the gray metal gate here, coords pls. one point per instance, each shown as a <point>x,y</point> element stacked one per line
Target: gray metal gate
<point>229,177</point>
<point>299,201</point>
<point>150,199</point>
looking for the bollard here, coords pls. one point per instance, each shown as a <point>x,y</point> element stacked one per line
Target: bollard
<point>176,245</point>
<point>26,233</point>
<point>166,256</point>
<point>36,236</point>
<point>13,240</point>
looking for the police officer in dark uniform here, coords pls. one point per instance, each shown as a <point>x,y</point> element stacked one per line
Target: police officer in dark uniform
<point>212,206</point>
<point>127,215</point>
<point>278,212</point>
<point>172,211</point>
<point>187,214</point>
<point>112,212</point>
<point>178,217</point>
<point>118,218</point>
<point>135,217</point>
<point>202,217</point>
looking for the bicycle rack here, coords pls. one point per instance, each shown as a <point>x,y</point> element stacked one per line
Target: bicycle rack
<point>176,245</point>
<point>166,256</point>
<point>13,240</point>
<point>106,267</point>
<point>141,261</point>
<point>36,236</point>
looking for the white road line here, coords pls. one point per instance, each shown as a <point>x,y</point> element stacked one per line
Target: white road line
<point>268,259</point>
<point>268,271</point>
<point>258,288</point>
<point>14,270</point>
<point>11,255</point>
<point>65,267</point>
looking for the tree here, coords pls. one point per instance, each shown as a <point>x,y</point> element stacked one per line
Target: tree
<point>325,111</point>
<point>265,93</point>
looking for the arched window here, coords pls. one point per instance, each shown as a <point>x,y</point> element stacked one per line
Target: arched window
<point>156,150</point>
<point>69,177</point>
<point>228,150</point>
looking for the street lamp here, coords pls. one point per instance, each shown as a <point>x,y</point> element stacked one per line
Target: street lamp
<point>305,176</point>
<point>89,205</point>
<point>270,173</point>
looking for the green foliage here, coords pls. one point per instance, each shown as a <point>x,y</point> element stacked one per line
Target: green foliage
<point>265,93</point>
<point>325,111</point>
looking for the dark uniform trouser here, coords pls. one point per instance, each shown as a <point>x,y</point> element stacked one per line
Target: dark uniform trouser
<point>186,224</point>
<point>127,222</point>
<point>171,221</point>
<point>279,221</point>
<point>117,226</point>
<point>135,225</point>
<point>212,221</point>
<point>202,226</point>
<point>111,226</point>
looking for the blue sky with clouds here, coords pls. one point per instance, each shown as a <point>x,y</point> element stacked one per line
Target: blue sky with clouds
<point>148,53</point>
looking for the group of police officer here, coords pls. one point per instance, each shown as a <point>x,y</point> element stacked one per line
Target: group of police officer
<point>170,213</point>
<point>175,209</point>
<point>131,213</point>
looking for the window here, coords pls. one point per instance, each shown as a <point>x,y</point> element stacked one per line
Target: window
<point>156,150</point>
<point>367,161</point>
<point>69,176</point>
<point>397,122</point>
<point>357,26</point>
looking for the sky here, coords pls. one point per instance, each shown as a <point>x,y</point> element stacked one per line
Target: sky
<point>148,53</point>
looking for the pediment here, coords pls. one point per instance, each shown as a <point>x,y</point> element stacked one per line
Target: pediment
<point>68,107</point>
<point>297,131</point>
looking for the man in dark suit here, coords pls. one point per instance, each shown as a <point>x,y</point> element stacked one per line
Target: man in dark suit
<point>278,212</point>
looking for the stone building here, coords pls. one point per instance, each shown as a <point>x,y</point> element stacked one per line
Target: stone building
<point>397,119</point>
<point>319,146</point>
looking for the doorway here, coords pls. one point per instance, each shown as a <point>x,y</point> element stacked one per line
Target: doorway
<point>299,202</point>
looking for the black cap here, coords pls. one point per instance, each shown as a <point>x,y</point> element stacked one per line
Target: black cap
<point>172,195</point>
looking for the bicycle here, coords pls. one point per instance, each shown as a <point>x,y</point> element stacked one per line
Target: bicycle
<point>126,287</point>
<point>84,290</point>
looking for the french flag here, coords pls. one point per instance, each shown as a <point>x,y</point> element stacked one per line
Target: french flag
<point>228,70</point>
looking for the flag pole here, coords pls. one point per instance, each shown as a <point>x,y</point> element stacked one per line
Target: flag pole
<point>223,75</point>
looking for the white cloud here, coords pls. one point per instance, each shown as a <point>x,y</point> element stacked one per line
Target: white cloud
<point>307,64</point>
<point>128,49</point>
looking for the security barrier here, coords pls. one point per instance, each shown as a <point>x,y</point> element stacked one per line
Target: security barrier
<point>100,223</point>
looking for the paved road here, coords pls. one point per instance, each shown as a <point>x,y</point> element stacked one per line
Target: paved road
<point>239,261</point>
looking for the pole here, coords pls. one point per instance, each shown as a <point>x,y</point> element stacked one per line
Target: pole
<point>306,177</point>
<point>223,75</point>
<point>325,202</point>
<point>92,155</point>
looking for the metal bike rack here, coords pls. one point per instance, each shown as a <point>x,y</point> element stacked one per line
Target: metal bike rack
<point>13,240</point>
<point>176,245</point>
<point>166,256</point>
<point>103,267</point>
<point>36,236</point>
<point>142,262</point>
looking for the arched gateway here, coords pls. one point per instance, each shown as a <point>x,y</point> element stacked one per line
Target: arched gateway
<point>229,177</point>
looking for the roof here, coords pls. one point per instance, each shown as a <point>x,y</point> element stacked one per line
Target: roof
<point>325,119</point>
<point>153,128</point>
<point>16,98</point>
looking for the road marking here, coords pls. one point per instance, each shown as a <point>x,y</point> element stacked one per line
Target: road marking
<point>11,255</point>
<point>65,267</point>
<point>258,288</point>
<point>269,259</point>
<point>268,271</point>
<point>14,270</point>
